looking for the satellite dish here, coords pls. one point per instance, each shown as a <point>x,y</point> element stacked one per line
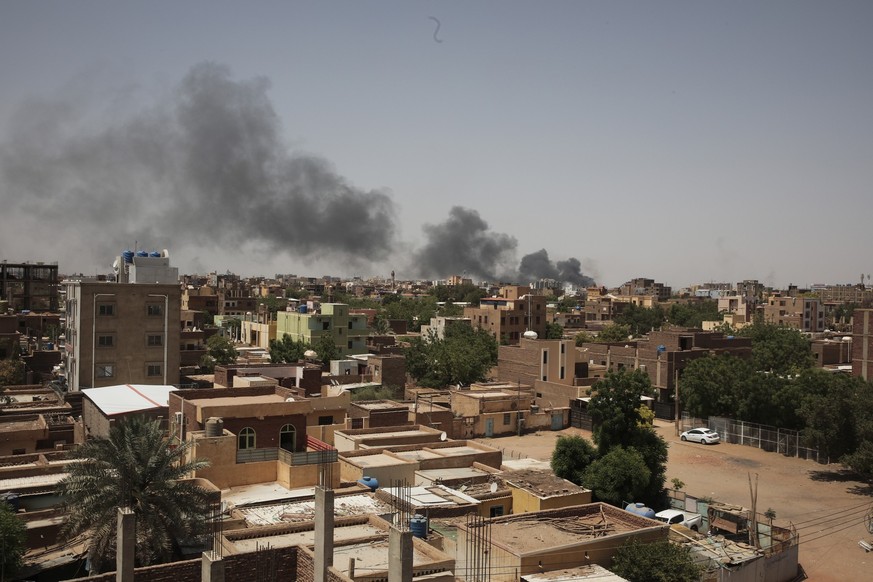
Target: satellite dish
<point>493,487</point>
<point>530,334</point>
<point>443,436</point>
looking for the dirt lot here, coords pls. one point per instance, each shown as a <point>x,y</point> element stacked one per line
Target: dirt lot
<point>824,503</point>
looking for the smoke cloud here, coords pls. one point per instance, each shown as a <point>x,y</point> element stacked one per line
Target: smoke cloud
<point>206,166</point>
<point>465,244</point>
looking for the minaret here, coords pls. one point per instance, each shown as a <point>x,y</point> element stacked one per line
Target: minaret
<point>392,280</point>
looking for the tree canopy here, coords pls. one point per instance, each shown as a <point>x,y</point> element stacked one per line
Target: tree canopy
<point>287,350</point>
<point>614,333</point>
<point>659,561</point>
<point>13,541</point>
<point>554,330</point>
<point>136,467</point>
<point>464,356</point>
<point>777,348</point>
<point>12,372</point>
<point>221,350</point>
<point>620,476</point>
<point>572,456</point>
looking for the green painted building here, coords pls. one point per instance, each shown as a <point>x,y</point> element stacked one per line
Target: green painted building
<point>349,332</point>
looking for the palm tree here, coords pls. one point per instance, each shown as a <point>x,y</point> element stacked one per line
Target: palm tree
<point>136,467</point>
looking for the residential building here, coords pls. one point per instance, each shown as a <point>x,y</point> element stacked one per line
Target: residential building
<point>29,286</point>
<point>643,286</point>
<point>121,333</point>
<point>348,332</point>
<point>439,325</point>
<point>862,343</point>
<point>508,316</point>
<point>102,407</point>
<point>802,313</point>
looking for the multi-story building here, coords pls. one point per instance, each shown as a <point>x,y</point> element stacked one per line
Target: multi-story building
<point>642,286</point>
<point>349,332</point>
<point>29,286</point>
<point>124,332</point>
<point>509,315</point>
<point>803,313</point>
<point>862,343</point>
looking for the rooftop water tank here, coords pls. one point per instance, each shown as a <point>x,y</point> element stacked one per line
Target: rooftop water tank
<point>370,482</point>
<point>641,509</point>
<point>142,253</point>
<point>662,348</point>
<point>155,254</point>
<point>127,255</point>
<point>214,427</point>
<point>301,309</point>
<point>418,526</point>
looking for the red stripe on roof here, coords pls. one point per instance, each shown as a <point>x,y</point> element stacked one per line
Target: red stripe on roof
<point>144,396</point>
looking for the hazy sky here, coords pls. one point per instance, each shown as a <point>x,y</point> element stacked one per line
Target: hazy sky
<point>681,141</point>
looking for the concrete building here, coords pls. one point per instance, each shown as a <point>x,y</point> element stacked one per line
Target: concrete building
<point>506,317</point>
<point>29,286</point>
<point>438,326</point>
<point>643,286</point>
<point>102,407</point>
<point>554,540</point>
<point>802,313</point>
<point>862,344</point>
<point>540,490</point>
<point>348,332</point>
<point>492,409</point>
<point>121,332</point>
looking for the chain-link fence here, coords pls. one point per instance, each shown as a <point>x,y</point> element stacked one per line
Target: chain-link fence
<point>768,438</point>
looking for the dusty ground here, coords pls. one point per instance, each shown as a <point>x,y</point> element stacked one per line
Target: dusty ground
<point>826,505</point>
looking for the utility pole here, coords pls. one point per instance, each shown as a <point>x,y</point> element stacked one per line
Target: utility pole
<point>676,394</point>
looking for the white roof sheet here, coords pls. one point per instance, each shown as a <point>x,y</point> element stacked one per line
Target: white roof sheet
<point>124,398</point>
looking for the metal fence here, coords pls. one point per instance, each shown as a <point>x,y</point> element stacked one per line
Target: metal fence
<point>256,455</point>
<point>307,458</point>
<point>768,438</point>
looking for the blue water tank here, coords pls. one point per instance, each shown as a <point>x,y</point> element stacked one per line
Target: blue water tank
<point>640,509</point>
<point>370,482</point>
<point>730,337</point>
<point>155,254</point>
<point>142,253</point>
<point>662,348</point>
<point>418,526</point>
<point>127,255</point>
<point>301,309</point>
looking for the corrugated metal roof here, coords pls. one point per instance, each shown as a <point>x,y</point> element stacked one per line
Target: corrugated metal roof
<point>124,398</point>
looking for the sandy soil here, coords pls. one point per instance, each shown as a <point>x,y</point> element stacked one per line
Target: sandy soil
<point>825,504</point>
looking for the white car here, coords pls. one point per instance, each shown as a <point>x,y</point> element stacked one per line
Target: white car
<point>700,435</point>
<point>692,521</point>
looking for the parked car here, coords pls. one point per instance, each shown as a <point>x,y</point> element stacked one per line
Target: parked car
<point>692,521</point>
<point>700,435</point>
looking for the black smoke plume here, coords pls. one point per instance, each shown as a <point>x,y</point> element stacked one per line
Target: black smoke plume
<point>205,165</point>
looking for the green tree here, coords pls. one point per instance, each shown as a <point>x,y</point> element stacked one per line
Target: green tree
<point>714,385</point>
<point>572,456</point>
<point>835,411</point>
<point>136,467</point>
<point>614,333</point>
<point>381,325</point>
<point>568,303</point>
<point>12,372</point>
<point>693,314</point>
<point>614,407</point>
<point>326,349</point>
<point>415,311</point>
<point>583,337</point>
<point>464,356</point>
<point>641,320</point>
<point>287,350</point>
<point>554,330</point>
<point>778,349</point>
<point>273,304</point>
<point>221,350</point>
<point>375,393</point>
<point>13,542</point>
<point>621,476</point>
<point>659,561</point>
<point>206,364</point>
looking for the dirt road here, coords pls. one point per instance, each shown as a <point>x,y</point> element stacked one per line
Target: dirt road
<point>826,505</point>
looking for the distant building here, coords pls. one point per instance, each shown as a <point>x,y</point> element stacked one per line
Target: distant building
<point>802,313</point>
<point>348,332</point>
<point>862,343</point>
<point>29,286</point>
<point>508,316</point>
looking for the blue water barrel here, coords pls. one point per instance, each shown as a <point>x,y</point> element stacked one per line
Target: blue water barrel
<point>418,526</point>
<point>128,256</point>
<point>370,482</point>
<point>11,499</point>
<point>640,509</point>
<point>301,309</point>
<point>142,253</point>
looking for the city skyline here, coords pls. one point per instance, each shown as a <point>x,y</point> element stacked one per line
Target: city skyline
<point>684,143</point>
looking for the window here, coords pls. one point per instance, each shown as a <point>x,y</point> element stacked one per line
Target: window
<point>288,437</point>
<point>246,438</point>
<point>325,325</point>
<point>563,348</point>
<point>155,340</point>
<point>507,418</point>
<point>497,511</point>
<point>562,373</point>
<point>154,309</point>
<point>105,370</point>
<point>105,341</point>
<point>539,394</point>
<point>545,357</point>
<point>350,344</point>
<point>325,420</point>
<point>106,309</point>
<point>153,370</point>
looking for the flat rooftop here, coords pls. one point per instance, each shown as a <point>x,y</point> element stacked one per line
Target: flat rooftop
<point>377,460</point>
<point>50,479</point>
<point>588,573</point>
<point>371,556</point>
<point>306,538</point>
<point>536,531</point>
<point>542,484</point>
<point>304,510</point>
<point>452,474</point>
<point>263,493</point>
<point>238,400</point>
<point>418,455</point>
<point>379,405</point>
